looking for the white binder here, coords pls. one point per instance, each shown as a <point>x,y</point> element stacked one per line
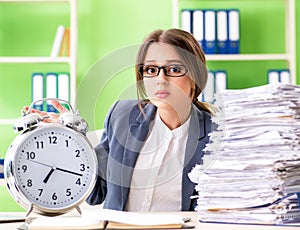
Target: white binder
<point>63,85</point>
<point>209,91</point>
<point>285,76</point>
<point>198,26</point>
<point>51,90</point>
<point>220,80</point>
<point>210,31</point>
<point>57,41</point>
<point>37,90</point>
<point>273,76</point>
<point>186,20</point>
<point>222,31</point>
<point>234,31</point>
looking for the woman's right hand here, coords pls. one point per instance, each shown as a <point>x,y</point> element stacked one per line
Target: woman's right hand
<point>49,117</point>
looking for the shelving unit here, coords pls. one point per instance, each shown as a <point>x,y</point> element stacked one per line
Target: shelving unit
<point>71,60</point>
<point>290,39</point>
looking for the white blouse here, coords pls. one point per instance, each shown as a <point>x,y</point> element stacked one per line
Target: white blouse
<point>157,177</point>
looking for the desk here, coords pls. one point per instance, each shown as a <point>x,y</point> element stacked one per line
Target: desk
<point>194,221</point>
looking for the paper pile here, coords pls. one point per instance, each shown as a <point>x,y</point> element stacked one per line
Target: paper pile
<point>251,169</point>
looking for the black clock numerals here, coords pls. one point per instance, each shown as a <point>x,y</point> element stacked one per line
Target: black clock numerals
<point>68,192</point>
<point>39,144</point>
<point>77,151</point>
<point>24,168</point>
<point>29,183</point>
<point>67,143</point>
<point>78,181</point>
<point>53,140</point>
<point>40,191</point>
<point>54,196</point>
<point>30,155</point>
<point>82,167</point>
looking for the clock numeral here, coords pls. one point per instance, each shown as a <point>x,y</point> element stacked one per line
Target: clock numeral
<point>78,181</point>
<point>30,155</point>
<point>77,153</point>
<point>54,196</point>
<point>53,140</point>
<point>82,167</point>
<point>29,183</point>
<point>67,143</point>
<point>68,192</point>
<point>39,144</point>
<point>40,191</point>
<point>24,167</point>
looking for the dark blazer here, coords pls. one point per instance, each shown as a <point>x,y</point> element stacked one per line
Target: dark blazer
<point>126,129</point>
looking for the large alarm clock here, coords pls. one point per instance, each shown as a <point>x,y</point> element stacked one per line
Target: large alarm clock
<point>50,168</point>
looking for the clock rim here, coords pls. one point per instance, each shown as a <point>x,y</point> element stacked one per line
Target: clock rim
<point>13,186</point>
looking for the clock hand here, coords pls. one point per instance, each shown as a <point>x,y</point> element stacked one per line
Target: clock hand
<point>63,170</point>
<point>48,175</point>
<point>67,171</point>
<point>41,163</point>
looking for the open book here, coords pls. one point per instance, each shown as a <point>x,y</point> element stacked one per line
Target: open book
<point>108,219</point>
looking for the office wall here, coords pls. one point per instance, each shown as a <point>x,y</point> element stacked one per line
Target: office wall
<point>108,30</point>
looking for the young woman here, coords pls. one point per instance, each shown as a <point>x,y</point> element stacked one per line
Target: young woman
<point>150,145</point>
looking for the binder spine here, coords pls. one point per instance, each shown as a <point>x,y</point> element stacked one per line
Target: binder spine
<point>37,90</point>
<point>198,26</point>
<point>222,31</point>
<point>220,80</point>
<point>51,90</point>
<point>273,76</point>
<point>186,20</point>
<point>63,86</point>
<point>1,168</point>
<point>209,91</point>
<point>284,76</point>
<point>234,31</point>
<point>210,46</point>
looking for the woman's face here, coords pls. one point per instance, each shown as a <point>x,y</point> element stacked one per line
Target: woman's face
<point>164,91</point>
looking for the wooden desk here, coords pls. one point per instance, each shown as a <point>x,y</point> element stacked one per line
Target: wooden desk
<point>194,221</point>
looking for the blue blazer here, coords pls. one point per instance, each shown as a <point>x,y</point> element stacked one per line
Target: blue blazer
<point>126,129</point>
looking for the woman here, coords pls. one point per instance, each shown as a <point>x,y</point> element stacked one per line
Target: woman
<point>150,145</point>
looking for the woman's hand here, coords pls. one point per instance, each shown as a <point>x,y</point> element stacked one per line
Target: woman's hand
<point>49,117</point>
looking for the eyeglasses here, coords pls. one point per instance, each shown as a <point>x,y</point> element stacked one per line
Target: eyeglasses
<point>149,71</point>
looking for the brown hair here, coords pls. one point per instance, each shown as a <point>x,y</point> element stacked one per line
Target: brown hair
<point>190,53</point>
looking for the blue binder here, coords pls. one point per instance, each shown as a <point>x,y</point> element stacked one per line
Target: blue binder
<point>222,31</point>
<point>51,90</point>
<point>198,26</point>
<point>208,94</point>
<point>273,76</point>
<point>37,90</point>
<point>284,76</point>
<point>63,88</point>
<point>1,168</point>
<point>210,46</point>
<point>220,80</point>
<point>186,20</point>
<point>234,31</point>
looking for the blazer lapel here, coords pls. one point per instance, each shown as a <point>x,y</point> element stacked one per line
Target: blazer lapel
<point>139,125</point>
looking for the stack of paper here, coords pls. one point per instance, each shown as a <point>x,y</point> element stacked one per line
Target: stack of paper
<point>251,169</point>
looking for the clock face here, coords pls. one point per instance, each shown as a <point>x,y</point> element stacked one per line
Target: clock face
<point>54,167</point>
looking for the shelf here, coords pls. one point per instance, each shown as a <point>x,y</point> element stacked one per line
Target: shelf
<point>35,59</point>
<point>246,57</point>
<point>10,121</point>
<point>290,37</point>
<point>42,1</point>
